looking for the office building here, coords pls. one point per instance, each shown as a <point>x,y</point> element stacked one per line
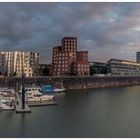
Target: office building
<point>117,67</point>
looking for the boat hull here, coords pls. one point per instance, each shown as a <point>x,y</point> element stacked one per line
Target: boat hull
<point>58,90</point>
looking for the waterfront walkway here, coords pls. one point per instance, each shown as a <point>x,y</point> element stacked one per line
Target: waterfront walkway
<point>72,82</point>
<point>18,105</point>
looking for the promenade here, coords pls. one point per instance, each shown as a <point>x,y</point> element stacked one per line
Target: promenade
<point>72,82</point>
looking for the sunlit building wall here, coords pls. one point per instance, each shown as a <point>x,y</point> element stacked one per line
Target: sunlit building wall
<point>19,63</point>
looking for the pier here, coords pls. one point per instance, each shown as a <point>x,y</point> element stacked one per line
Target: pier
<point>42,103</point>
<point>18,105</point>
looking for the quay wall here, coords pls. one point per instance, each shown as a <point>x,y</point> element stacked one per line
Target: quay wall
<point>72,82</point>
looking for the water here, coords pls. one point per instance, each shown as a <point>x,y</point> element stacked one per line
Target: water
<point>109,112</point>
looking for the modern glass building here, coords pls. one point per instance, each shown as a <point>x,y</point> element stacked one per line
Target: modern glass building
<point>98,68</point>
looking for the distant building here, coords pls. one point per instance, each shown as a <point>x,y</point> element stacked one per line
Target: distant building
<point>98,68</point>
<point>138,57</point>
<point>18,63</point>
<point>67,60</point>
<point>117,67</point>
<point>7,64</point>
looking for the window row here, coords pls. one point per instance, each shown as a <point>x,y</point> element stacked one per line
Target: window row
<point>60,70</point>
<point>61,65</point>
<point>80,69</point>
<point>83,65</point>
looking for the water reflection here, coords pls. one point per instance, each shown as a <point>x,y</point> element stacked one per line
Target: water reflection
<point>108,112</point>
<point>22,125</point>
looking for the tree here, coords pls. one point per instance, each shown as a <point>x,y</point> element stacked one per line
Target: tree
<point>45,72</point>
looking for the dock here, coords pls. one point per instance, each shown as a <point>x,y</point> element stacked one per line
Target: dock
<point>18,105</point>
<point>42,103</point>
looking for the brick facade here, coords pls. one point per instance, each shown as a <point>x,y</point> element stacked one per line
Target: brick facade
<point>67,60</point>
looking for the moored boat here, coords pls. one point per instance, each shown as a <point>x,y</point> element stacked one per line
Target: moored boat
<point>57,90</point>
<point>37,94</point>
<point>6,104</point>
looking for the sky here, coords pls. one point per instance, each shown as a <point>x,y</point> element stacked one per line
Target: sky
<point>106,30</point>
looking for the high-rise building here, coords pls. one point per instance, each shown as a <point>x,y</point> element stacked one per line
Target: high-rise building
<point>67,61</point>
<point>18,63</point>
<point>138,57</point>
<point>69,45</point>
<point>61,61</point>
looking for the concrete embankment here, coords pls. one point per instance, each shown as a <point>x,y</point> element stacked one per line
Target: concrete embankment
<point>102,82</point>
<point>72,82</point>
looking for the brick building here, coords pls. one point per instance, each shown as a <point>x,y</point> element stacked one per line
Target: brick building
<point>67,60</point>
<point>81,66</point>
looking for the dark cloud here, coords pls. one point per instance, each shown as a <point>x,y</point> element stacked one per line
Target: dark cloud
<point>106,30</point>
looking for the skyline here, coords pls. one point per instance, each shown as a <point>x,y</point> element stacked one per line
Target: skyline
<point>106,30</point>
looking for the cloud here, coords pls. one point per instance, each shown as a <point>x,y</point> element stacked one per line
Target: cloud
<point>106,30</point>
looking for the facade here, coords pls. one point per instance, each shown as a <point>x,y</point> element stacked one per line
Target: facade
<point>18,63</point>
<point>138,57</point>
<point>7,63</point>
<point>98,68</point>
<point>82,56</point>
<point>61,60</point>
<point>69,45</point>
<point>118,67</point>
<point>67,60</point>
<point>81,66</point>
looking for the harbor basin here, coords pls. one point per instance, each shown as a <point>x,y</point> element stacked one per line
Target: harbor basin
<point>94,113</point>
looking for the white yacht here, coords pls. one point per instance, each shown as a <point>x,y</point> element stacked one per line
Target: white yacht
<point>33,90</point>
<point>6,104</point>
<point>36,94</point>
<point>7,94</point>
